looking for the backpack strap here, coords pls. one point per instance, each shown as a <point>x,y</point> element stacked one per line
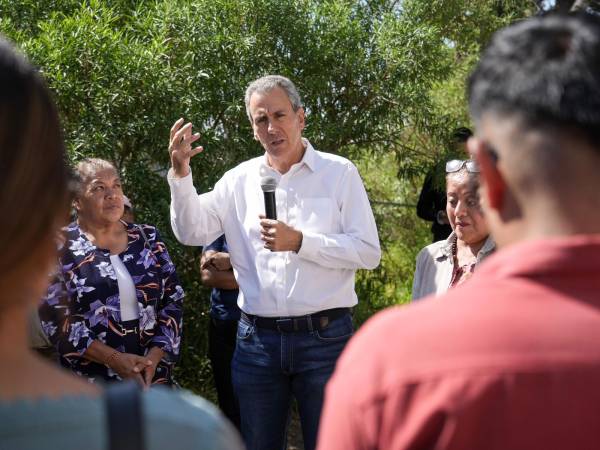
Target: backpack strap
<point>124,416</point>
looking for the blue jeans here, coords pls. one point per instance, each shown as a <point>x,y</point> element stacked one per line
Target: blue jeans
<point>269,367</point>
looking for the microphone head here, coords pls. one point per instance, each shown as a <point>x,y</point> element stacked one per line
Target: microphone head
<point>268,184</point>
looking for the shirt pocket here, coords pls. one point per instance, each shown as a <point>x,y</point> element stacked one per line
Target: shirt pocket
<point>316,214</point>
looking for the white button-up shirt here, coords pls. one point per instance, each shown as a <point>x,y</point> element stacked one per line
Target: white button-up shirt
<point>322,196</point>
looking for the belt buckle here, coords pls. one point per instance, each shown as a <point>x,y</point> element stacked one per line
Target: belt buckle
<point>280,322</point>
<point>126,331</point>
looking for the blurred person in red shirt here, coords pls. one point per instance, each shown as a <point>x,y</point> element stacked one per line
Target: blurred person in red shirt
<point>510,359</point>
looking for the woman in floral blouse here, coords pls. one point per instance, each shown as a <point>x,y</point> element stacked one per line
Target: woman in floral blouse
<point>115,308</point>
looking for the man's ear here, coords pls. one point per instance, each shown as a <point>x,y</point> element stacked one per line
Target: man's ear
<point>253,129</point>
<point>490,176</point>
<point>301,118</point>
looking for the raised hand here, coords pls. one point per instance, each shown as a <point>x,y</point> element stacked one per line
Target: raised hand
<point>180,147</point>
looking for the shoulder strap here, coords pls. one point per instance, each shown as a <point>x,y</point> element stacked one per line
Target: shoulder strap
<point>143,233</point>
<point>124,416</point>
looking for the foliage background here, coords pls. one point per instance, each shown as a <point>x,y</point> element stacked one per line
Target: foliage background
<point>383,84</point>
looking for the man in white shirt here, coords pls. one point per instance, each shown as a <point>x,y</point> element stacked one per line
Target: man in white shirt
<point>296,274</point>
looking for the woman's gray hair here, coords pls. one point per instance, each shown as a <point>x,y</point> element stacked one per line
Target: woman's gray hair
<point>87,168</point>
<point>270,82</point>
<point>472,178</point>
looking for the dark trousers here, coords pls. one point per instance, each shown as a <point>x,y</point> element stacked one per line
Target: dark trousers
<point>221,346</point>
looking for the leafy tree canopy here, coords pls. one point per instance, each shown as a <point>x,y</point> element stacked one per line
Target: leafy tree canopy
<point>382,82</point>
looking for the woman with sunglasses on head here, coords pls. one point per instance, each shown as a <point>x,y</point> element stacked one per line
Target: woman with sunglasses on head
<point>448,263</point>
<point>42,406</point>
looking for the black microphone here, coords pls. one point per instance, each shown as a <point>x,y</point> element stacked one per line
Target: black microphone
<point>268,185</point>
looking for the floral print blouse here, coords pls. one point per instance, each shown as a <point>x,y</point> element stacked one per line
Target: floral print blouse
<point>82,303</point>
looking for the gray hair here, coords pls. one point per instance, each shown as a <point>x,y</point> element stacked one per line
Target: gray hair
<point>471,178</point>
<point>270,82</point>
<point>87,168</point>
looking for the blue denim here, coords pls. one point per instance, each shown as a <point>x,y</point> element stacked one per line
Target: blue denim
<point>269,367</point>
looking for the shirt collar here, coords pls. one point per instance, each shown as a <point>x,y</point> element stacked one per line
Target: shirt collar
<point>445,250</point>
<point>309,159</point>
<point>489,246</point>
<point>310,155</point>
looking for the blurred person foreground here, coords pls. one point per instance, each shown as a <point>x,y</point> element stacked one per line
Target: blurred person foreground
<point>42,406</point>
<point>510,359</point>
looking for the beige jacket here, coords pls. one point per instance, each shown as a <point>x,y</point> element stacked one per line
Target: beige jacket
<point>435,266</point>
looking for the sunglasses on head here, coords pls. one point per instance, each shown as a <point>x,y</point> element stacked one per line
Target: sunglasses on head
<point>455,165</point>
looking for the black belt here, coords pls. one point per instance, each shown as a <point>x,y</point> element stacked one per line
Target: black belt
<point>317,321</point>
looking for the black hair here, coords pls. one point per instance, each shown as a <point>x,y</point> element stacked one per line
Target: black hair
<point>546,71</point>
<point>461,135</point>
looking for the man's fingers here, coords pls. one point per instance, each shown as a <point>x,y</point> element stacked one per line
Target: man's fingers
<point>195,151</point>
<point>189,138</point>
<point>193,138</point>
<point>268,232</point>
<point>174,128</point>
<point>268,223</point>
<point>186,129</point>
<point>181,133</point>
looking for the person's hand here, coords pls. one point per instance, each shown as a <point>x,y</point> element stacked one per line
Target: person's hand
<point>155,355</point>
<point>278,236</point>
<point>130,366</point>
<point>180,147</point>
<point>219,260</point>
